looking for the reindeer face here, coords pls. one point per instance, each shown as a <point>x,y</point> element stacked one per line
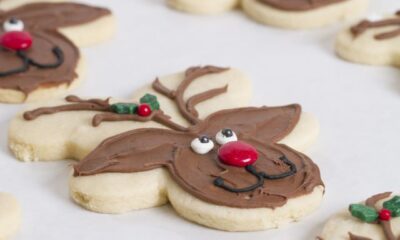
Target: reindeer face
<point>231,157</point>
<point>33,53</point>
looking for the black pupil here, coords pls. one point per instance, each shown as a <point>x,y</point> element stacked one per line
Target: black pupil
<point>204,139</point>
<point>13,20</point>
<point>227,132</point>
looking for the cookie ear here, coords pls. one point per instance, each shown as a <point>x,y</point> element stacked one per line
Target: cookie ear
<point>137,150</point>
<point>267,124</point>
<point>55,15</point>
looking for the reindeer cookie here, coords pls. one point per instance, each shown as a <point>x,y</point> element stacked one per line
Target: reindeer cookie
<point>191,140</point>
<point>295,14</point>
<point>372,41</point>
<point>39,57</point>
<point>10,215</point>
<point>376,219</point>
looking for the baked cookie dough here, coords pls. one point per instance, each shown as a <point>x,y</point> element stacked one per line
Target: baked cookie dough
<point>294,14</point>
<point>39,46</point>
<point>203,6</point>
<point>10,216</point>
<point>378,218</point>
<point>374,41</point>
<point>189,139</point>
<point>303,14</point>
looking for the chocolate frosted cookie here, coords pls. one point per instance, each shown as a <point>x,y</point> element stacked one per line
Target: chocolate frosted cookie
<point>378,218</point>
<point>190,139</point>
<point>39,57</point>
<point>295,14</point>
<point>300,14</point>
<point>372,41</point>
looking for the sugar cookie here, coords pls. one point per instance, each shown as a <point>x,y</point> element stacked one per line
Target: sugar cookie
<point>294,14</point>
<point>372,41</point>
<point>37,47</point>
<point>10,216</point>
<point>190,140</point>
<point>376,219</point>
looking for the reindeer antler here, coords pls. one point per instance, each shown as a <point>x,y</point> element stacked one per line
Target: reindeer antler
<point>187,109</point>
<point>365,25</point>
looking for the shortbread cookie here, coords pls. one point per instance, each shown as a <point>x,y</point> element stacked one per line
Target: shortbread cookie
<point>190,140</point>
<point>372,41</point>
<point>37,47</point>
<point>295,14</point>
<point>302,14</point>
<point>203,6</point>
<point>10,216</point>
<point>376,219</point>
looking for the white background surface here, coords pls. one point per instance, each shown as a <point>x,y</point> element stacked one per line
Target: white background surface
<point>358,107</point>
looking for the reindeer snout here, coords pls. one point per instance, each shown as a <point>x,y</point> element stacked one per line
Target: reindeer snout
<point>16,40</point>
<point>238,154</point>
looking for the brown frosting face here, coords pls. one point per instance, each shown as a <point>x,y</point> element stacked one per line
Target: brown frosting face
<point>299,5</point>
<point>41,20</point>
<point>150,148</point>
<point>365,25</point>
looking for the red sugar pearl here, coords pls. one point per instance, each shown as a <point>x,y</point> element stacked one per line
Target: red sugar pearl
<point>144,110</point>
<point>385,215</point>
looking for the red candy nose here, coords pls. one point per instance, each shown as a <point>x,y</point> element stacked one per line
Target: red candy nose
<point>16,40</point>
<point>238,154</point>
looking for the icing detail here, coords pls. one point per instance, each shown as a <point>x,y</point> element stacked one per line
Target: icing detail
<point>369,213</point>
<point>268,182</point>
<point>50,59</point>
<point>364,25</point>
<point>202,145</point>
<point>13,24</point>
<point>226,135</point>
<point>299,5</point>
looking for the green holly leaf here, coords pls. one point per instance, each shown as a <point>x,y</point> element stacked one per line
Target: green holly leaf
<point>364,213</point>
<point>151,100</point>
<point>393,205</point>
<point>124,108</point>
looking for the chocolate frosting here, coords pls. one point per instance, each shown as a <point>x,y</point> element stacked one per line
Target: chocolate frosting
<point>42,21</point>
<point>299,5</point>
<point>364,25</point>
<point>150,148</point>
<point>386,225</point>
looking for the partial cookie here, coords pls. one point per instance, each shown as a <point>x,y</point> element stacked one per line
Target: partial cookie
<point>190,140</point>
<point>302,14</point>
<point>297,14</point>
<point>38,46</point>
<point>10,216</point>
<point>378,218</point>
<point>203,6</point>
<point>374,41</point>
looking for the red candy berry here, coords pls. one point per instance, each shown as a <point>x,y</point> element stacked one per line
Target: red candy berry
<point>385,215</point>
<point>238,154</point>
<point>144,110</point>
<point>16,40</point>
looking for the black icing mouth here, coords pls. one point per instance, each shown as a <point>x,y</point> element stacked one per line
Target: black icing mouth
<point>261,176</point>
<point>26,62</point>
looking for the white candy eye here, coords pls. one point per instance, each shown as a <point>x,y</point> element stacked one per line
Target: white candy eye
<point>202,145</point>
<point>13,24</point>
<point>226,135</point>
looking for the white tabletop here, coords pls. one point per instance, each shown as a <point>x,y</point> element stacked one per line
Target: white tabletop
<point>358,107</point>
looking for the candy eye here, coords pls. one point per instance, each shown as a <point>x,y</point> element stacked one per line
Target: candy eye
<point>13,24</point>
<point>226,135</point>
<point>202,145</point>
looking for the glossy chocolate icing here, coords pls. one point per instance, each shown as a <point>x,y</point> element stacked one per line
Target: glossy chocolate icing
<point>42,21</point>
<point>299,5</point>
